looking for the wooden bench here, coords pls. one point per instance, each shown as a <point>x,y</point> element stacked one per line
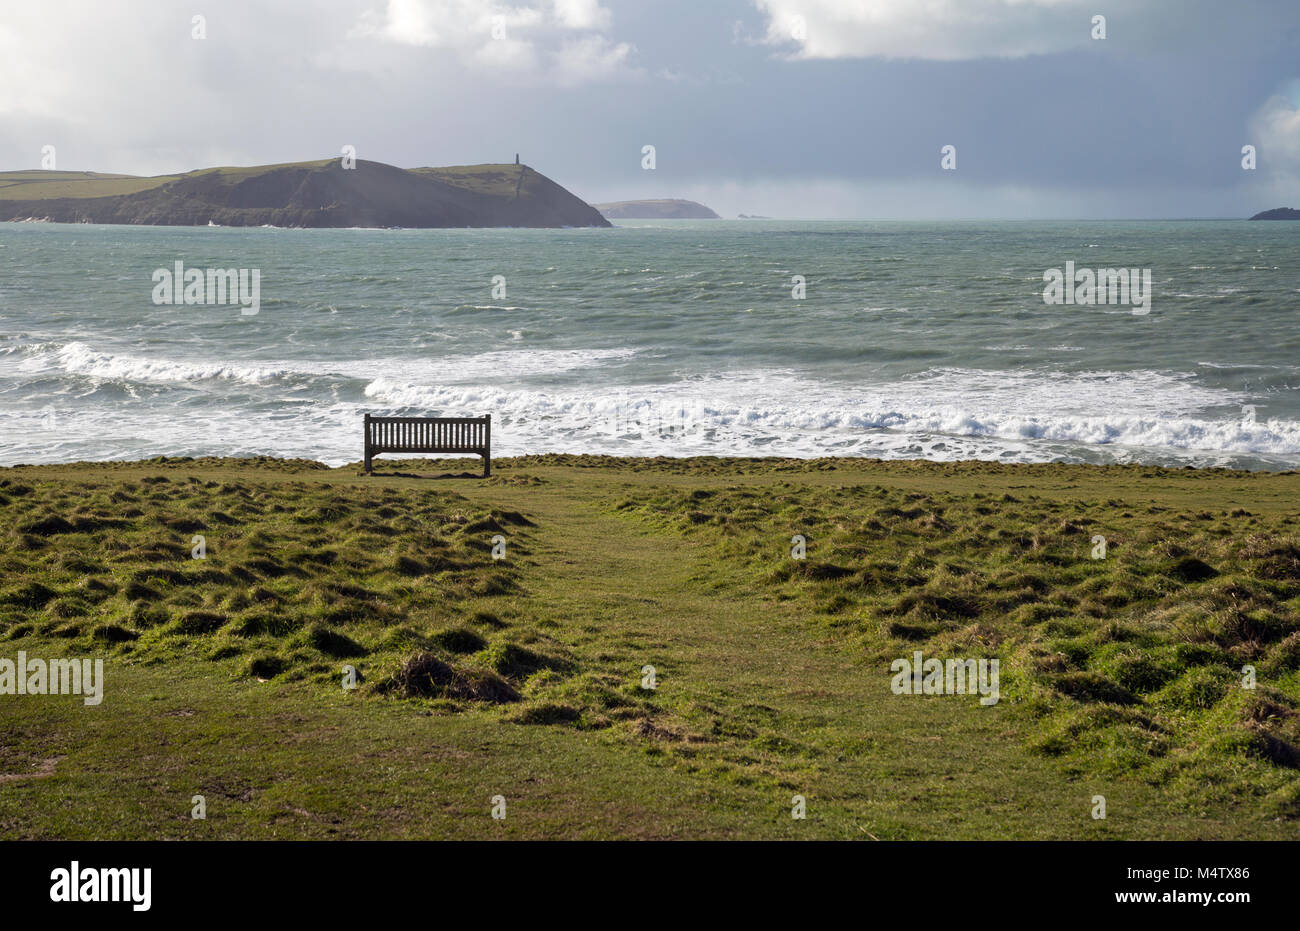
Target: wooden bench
<point>470,436</point>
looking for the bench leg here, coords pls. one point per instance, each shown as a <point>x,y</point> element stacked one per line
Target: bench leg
<point>368,470</point>
<point>487,466</point>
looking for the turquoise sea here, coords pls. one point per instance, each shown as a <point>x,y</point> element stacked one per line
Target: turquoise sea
<point>913,340</point>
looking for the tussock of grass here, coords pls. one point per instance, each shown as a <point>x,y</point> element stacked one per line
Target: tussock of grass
<point>426,676</point>
<point>295,579</point>
<point>459,640</point>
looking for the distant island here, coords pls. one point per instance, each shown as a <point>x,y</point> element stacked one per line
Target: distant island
<point>752,216</point>
<point>1278,213</point>
<point>300,194</point>
<point>656,210</point>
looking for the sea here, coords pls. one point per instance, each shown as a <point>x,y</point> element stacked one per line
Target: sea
<point>886,339</point>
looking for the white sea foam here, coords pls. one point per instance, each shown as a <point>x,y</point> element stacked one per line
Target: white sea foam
<point>948,414</point>
<point>77,358</point>
<point>750,413</point>
<point>944,413</point>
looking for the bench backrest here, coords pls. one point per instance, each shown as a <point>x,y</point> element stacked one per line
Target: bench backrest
<point>428,434</point>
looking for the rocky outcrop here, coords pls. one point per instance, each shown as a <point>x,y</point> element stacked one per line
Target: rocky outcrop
<point>1278,213</point>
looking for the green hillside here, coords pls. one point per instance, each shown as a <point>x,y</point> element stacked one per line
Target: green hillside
<point>300,194</point>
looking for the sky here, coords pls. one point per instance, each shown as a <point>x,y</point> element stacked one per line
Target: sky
<point>784,108</point>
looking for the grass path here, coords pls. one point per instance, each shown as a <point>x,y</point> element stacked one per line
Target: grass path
<point>869,763</point>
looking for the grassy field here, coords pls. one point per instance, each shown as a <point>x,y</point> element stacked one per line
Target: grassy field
<point>522,676</point>
<point>497,180</point>
<point>494,180</point>
<point>33,185</point>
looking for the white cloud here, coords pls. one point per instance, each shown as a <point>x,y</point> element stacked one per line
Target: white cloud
<point>581,14</point>
<point>508,54</point>
<point>943,30</point>
<point>590,58</point>
<point>496,35</point>
<point>1277,125</point>
<point>462,24</point>
<point>1274,130</point>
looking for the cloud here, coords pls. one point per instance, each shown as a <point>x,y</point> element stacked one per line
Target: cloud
<point>1277,126</point>
<point>496,35</point>
<point>590,58</point>
<point>460,24</point>
<point>942,30</point>
<point>581,14</point>
<point>1275,131</point>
